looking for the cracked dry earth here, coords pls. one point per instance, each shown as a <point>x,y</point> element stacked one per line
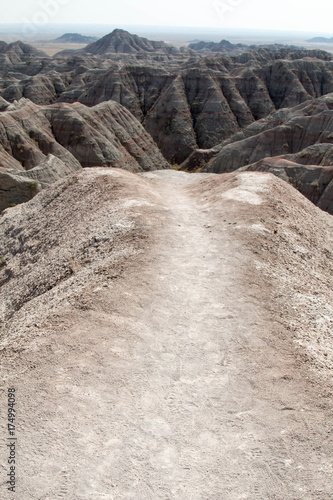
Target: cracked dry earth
<point>179,380</point>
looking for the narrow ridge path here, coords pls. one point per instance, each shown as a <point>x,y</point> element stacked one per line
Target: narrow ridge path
<point>175,385</point>
<point>220,410</point>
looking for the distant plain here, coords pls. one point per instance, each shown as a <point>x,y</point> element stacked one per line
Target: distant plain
<point>41,37</point>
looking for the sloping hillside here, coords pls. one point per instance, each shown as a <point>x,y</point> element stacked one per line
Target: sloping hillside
<point>39,144</point>
<point>169,334</point>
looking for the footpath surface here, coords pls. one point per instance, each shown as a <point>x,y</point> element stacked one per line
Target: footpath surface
<point>176,384</point>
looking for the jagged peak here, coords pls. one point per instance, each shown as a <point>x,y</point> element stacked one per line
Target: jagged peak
<point>121,41</point>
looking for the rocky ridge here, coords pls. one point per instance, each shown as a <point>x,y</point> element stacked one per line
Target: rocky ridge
<point>120,41</point>
<point>192,314</point>
<point>222,46</point>
<point>313,181</point>
<point>296,144</point>
<point>40,144</point>
<point>78,244</point>
<point>212,111</point>
<point>185,101</point>
<point>75,38</point>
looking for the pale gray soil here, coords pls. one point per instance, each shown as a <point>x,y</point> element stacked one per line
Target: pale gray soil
<point>183,379</point>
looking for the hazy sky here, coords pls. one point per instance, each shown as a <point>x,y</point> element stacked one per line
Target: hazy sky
<point>300,15</point>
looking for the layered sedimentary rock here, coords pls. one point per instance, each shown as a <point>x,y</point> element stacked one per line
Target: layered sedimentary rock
<point>26,138</point>
<point>186,100</point>
<point>3,104</point>
<point>209,104</point>
<point>40,144</point>
<point>216,112</point>
<point>19,186</point>
<point>296,144</point>
<point>313,181</point>
<point>286,132</point>
<point>104,135</point>
<point>222,46</point>
<point>15,189</point>
<point>80,222</point>
<point>19,52</point>
<point>120,41</point>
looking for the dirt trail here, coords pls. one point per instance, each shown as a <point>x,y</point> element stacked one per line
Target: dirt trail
<point>179,387</point>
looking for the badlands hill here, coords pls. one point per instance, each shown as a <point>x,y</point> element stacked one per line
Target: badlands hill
<point>185,100</point>
<point>296,144</point>
<point>168,334</point>
<point>216,112</point>
<point>188,316</point>
<point>75,38</point>
<point>39,144</point>
<point>320,39</point>
<point>222,46</point>
<point>120,41</point>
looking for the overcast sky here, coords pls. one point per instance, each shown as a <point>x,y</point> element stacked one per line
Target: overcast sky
<point>298,15</point>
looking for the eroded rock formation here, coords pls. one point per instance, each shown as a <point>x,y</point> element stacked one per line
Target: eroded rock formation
<point>185,100</point>
<point>313,181</point>
<point>45,143</point>
<point>216,112</point>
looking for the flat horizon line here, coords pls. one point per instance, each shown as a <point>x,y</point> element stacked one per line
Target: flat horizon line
<point>172,27</point>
